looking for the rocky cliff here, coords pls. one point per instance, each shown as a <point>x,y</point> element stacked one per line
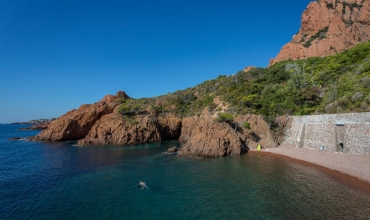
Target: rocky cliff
<point>206,138</point>
<point>113,129</point>
<point>102,123</point>
<point>328,27</point>
<point>76,124</point>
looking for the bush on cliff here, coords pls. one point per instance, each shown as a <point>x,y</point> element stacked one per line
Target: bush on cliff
<point>224,117</point>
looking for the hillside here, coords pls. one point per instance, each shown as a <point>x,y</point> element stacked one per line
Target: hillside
<point>332,84</point>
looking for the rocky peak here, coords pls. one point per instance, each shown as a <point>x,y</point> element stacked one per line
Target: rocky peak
<point>328,27</point>
<point>248,68</point>
<point>111,98</point>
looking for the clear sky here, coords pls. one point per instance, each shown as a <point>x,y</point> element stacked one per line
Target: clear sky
<point>57,55</point>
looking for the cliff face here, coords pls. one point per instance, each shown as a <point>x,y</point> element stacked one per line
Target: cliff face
<point>112,129</point>
<point>76,124</point>
<point>206,138</point>
<point>328,27</point>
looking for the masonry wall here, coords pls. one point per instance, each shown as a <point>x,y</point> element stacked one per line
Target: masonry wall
<point>329,131</point>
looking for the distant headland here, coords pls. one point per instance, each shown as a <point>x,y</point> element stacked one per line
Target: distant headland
<point>36,121</point>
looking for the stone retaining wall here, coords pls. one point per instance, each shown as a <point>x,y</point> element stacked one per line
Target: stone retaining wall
<point>347,133</point>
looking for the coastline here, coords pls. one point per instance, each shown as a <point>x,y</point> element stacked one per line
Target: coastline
<point>351,170</point>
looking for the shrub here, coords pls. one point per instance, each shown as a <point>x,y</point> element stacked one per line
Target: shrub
<point>224,117</point>
<point>365,81</point>
<point>367,99</point>
<point>329,5</point>
<point>321,34</point>
<point>357,96</point>
<point>246,125</point>
<point>364,105</point>
<point>330,108</point>
<point>343,101</point>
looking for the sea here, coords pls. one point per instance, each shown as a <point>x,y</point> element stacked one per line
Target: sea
<point>62,181</point>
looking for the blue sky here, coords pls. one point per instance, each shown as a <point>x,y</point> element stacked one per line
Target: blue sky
<point>57,55</point>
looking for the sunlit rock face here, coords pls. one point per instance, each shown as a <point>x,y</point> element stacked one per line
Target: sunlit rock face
<point>328,27</point>
<point>76,124</point>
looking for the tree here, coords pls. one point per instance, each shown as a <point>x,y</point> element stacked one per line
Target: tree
<point>250,100</point>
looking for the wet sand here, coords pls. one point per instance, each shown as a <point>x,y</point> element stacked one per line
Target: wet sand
<point>352,170</point>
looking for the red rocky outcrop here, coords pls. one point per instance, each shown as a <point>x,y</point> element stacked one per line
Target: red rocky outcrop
<point>41,126</point>
<point>206,138</point>
<point>76,124</point>
<point>328,27</point>
<point>113,129</point>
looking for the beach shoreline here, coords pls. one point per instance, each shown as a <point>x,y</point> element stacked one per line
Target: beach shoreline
<point>351,170</point>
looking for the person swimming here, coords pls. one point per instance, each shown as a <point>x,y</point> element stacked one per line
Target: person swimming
<point>141,185</point>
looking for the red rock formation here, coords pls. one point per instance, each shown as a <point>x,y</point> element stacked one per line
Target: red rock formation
<point>329,27</point>
<point>101,123</point>
<point>213,139</point>
<point>188,125</point>
<point>259,132</point>
<point>169,127</point>
<point>41,126</point>
<point>113,129</point>
<point>205,138</point>
<point>76,124</point>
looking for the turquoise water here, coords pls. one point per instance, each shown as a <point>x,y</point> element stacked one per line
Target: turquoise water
<point>61,181</point>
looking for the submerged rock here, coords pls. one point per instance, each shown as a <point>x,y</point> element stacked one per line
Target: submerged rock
<point>171,150</point>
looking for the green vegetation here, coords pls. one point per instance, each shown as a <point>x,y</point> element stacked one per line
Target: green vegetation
<point>332,84</point>
<point>329,5</point>
<point>224,117</point>
<point>321,34</point>
<point>351,6</point>
<point>246,125</point>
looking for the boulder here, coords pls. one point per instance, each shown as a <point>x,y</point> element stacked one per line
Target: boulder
<point>171,150</point>
<point>213,139</point>
<point>206,138</point>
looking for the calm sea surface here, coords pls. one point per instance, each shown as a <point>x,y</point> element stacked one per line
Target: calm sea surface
<point>62,181</point>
